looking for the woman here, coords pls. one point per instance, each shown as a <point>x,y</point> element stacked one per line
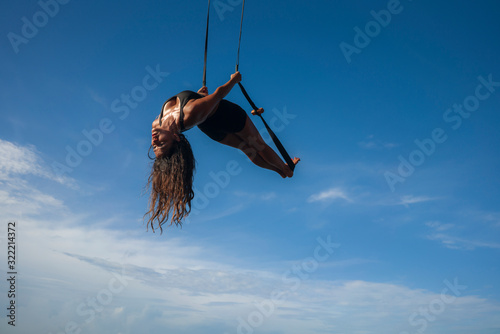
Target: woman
<point>171,177</point>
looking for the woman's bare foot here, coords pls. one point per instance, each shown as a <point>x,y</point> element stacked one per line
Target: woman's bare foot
<point>288,172</point>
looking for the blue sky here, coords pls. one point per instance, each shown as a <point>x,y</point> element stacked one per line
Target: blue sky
<point>391,223</point>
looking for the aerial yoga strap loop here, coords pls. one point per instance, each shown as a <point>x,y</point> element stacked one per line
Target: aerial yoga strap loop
<point>275,139</point>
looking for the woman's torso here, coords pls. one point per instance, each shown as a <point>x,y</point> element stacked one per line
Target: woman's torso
<point>173,114</point>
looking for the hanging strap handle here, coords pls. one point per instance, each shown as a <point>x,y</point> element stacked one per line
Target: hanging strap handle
<point>206,48</point>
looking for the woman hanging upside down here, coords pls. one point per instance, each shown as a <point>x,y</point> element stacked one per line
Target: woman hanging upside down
<point>171,178</point>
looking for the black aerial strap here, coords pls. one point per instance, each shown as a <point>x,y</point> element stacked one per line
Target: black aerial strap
<point>275,139</point>
<point>206,48</point>
<point>239,41</point>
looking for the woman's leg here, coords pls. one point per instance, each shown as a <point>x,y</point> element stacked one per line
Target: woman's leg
<point>253,140</point>
<point>235,141</point>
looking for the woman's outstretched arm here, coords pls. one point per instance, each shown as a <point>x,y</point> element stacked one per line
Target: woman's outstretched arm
<point>197,111</point>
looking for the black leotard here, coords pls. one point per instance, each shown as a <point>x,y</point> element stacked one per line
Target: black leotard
<point>228,118</point>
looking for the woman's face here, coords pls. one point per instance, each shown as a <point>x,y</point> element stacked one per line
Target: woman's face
<point>162,139</point>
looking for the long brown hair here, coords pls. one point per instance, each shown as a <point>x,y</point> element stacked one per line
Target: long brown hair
<point>171,183</point>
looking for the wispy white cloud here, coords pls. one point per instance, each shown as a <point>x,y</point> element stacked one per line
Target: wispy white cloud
<point>18,196</point>
<point>370,143</point>
<point>444,233</point>
<point>180,286</point>
<point>330,195</point>
<point>438,226</point>
<point>16,160</point>
<point>453,242</point>
<point>491,217</point>
<point>143,283</point>
<point>96,97</point>
<point>410,199</point>
<point>268,196</point>
<point>263,196</point>
<point>202,216</point>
